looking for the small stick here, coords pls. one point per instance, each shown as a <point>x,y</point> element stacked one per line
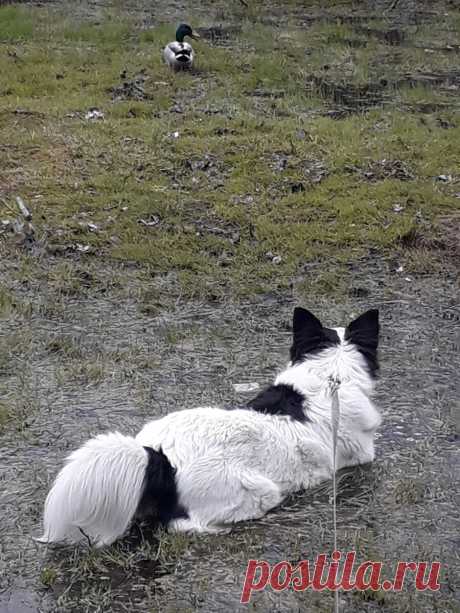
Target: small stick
<point>86,536</point>
<point>24,210</point>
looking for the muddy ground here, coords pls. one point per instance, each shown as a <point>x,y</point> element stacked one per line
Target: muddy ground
<point>100,334</point>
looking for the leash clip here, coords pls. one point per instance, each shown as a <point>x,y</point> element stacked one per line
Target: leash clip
<point>334,384</point>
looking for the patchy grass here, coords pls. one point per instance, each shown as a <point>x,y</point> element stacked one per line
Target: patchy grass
<point>238,204</point>
<point>16,24</point>
<point>101,574</point>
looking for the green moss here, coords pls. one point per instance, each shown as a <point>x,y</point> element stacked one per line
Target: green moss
<point>48,576</point>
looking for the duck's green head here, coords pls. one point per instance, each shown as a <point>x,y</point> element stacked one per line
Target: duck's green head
<point>185,30</point>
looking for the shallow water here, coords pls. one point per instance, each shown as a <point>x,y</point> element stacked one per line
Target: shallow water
<point>391,509</point>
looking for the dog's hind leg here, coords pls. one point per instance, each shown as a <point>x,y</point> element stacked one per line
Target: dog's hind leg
<point>254,495</point>
<point>263,493</point>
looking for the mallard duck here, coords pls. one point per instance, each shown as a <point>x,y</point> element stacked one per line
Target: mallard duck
<point>179,55</point>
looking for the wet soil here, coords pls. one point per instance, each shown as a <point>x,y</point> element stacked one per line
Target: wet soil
<point>191,356</point>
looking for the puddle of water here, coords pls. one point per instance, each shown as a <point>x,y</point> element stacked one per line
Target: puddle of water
<point>19,600</point>
<point>217,347</point>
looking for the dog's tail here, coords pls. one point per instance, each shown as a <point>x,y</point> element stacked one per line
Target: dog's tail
<point>102,487</point>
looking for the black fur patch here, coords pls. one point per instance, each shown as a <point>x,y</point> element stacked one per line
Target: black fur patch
<point>159,497</point>
<point>309,335</point>
<point>363,332</point>
<point>279,400</point>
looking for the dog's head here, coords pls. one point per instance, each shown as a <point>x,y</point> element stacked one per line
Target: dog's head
<point>311,337</point>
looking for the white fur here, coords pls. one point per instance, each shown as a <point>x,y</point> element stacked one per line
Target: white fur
<point>97,491</point>
<point>171,51</point>
<point>231,465</point>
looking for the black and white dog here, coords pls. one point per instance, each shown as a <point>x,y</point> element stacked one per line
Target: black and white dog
<point>203,469</point>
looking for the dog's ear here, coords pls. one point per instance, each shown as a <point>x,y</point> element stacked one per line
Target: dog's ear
<point>309,335</point>
<point>364,333</point>
<point>364,330</point>
<point>305,325</point>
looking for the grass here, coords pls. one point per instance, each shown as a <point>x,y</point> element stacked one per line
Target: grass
<point>6,302</point>
<point>5,415</point>
<point>90,182</point>
<point>88,571</point>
